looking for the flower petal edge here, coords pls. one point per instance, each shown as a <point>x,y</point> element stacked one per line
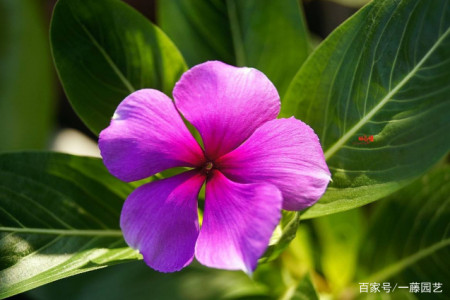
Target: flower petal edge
<point>238,222</point>
<point>146,136</point>
<point>160,220</point>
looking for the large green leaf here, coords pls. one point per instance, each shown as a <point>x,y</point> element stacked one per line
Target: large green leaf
<point>268,35</point>
<point>384,73</point>
<point>409,237</point>
<point>59,216</point>
<point>26,78</point>
<point>137,281</point>
<point>103,51</point>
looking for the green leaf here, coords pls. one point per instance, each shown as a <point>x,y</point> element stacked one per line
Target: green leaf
<point>137,281</point>
<point>26,78</point>
<point>103,51</point>
<point>284,233</point>
<point>303,291</point>
<point>268,35</point>
<point>408,239</point>
<point>59,216</point>
<point>351,3</point>
<point>383,73</point>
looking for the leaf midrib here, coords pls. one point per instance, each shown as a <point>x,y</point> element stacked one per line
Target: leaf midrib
<point>108,59</point>
<point>64,232</point>
<point>340,142</point>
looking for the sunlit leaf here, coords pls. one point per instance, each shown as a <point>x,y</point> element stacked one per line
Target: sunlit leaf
<point>384,74</point>
<point>268,35</point>
<point>103,51</point>
<point>59,216</point>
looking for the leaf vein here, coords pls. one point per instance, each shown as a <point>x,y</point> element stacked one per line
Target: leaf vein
<point>341,141</point>
<point>108,59</point>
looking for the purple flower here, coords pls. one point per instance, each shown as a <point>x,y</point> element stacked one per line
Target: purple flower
<point>253,165</point>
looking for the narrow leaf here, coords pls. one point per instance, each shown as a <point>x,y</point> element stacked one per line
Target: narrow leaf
<point>377,94</point>
<point>59,217</point>
<point>103,51</point>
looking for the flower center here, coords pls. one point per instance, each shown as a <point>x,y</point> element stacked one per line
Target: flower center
<point>207,167</point>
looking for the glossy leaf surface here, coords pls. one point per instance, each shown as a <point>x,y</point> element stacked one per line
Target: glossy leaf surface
<point>377,94</point>
<point>103,51</point>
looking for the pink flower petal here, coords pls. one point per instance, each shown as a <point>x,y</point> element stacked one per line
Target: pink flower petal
<point>238,222</point>
<point>147,136</point>
<point>285,153</point>
<point>160,219</point>
<point>226,104</point>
